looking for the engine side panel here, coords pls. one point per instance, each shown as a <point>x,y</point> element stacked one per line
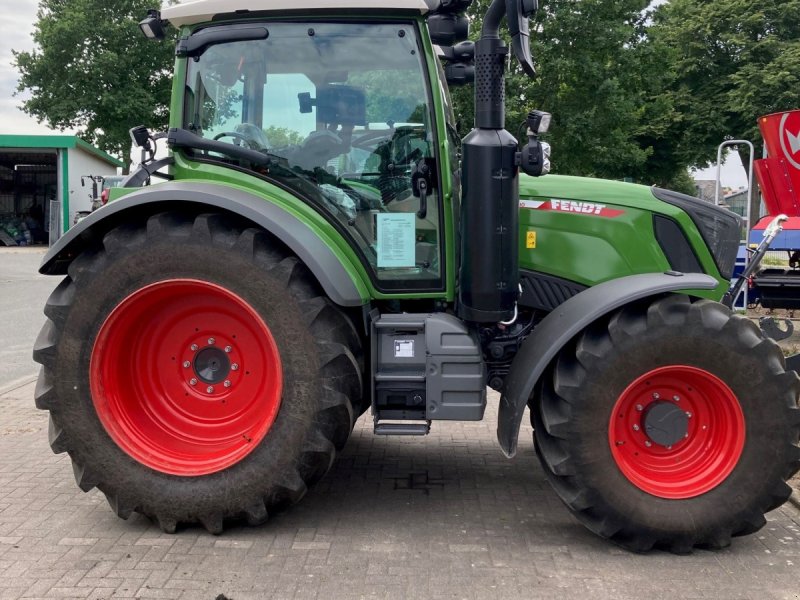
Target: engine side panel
<point>589,231</point>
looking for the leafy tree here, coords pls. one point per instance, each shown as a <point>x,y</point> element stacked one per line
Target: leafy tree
<point>93,70</point>
<point>280,137</point>
<point>731,61</point>
<point>601,78</point>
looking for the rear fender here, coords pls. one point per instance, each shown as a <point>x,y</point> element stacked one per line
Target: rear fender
<point>339,285</point>
<point>563,324</point>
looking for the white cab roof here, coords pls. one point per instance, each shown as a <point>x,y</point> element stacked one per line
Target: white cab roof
<point>199,11</point>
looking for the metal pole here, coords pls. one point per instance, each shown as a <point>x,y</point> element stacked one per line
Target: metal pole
<point>750,181</point>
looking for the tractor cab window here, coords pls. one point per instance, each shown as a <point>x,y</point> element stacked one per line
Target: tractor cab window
<point>343,112</point>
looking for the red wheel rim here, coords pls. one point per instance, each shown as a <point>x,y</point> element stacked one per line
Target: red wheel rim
<point>186,377</point>
<point>708,446</point>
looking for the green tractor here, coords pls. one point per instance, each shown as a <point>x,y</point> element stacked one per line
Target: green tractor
<point>326,245</point>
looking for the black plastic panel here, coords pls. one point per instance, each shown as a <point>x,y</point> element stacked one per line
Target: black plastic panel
<point>720,228</point>
<point>675,246</point>
<point>546,292</point>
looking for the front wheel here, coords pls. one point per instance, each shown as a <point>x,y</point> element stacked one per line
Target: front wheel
<point>195,372</point>
<point>671,424</point>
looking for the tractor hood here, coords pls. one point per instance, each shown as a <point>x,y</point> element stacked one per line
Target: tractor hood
<point>592,230</point>
<point>601,191</point>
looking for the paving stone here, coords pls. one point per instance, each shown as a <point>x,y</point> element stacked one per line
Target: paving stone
<point>442,517</point>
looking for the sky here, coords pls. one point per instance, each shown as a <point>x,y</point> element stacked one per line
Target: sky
<point>734,174</point>
<point>15,33</point>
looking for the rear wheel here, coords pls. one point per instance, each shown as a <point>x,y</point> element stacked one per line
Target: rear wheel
<point>194,372</point>
<point>671,424</point>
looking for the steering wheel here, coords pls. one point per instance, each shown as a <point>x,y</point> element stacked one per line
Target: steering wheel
<point>248,135</point>
<point>318,148</point>
<point>236,136</point>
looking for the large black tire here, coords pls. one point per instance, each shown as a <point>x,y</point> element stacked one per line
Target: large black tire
<point>320,363</point>
<point>577,412</point>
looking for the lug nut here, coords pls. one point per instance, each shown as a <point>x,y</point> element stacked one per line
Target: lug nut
<point>228,349</point>
<point>186,364</point>
<point>688,414</point>
<point>676,398</point>
<point>193,381</point>
<point>636,428</point>
<point>648,444</point>
<point>656,396</point>
<point>193,347</point>
<point>639,407</point>
<point>210,389</point>
<point>227,383</point>
<point>211,341</point>
<point>235,367</point>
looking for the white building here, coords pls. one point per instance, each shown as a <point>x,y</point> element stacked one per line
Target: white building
<point>45,179</point>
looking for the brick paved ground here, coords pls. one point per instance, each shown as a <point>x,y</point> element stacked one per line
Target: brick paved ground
<point>441,517</point>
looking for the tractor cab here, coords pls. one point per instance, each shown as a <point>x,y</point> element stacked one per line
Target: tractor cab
<point>342,115</point>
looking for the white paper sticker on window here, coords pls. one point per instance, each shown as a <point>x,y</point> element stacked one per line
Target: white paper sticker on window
<point>396,247</point>
<point>404,348</point>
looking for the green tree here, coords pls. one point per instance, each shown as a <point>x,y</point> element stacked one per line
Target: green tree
<point>730,61</point>
<point>280,137</point>
<point>94,71</point>
<point>600,77</point>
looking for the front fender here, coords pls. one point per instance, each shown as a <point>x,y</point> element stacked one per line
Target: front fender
<point>339,285</point>
<point>563,324</point>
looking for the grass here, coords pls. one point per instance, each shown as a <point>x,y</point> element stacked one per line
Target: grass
<point>774,261</point>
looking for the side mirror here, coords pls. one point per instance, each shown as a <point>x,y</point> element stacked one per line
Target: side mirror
<point>517,13</point>
<point>448,29</point>
<point>307,103</point>
<point>140,136</point>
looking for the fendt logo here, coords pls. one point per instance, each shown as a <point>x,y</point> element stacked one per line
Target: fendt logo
<point>790,138</point>
<point>572,206</point>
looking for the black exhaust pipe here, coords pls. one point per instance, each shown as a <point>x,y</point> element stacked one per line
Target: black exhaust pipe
<point>489,268</point>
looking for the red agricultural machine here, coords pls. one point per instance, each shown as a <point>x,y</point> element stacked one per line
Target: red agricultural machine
<point>779,178</point>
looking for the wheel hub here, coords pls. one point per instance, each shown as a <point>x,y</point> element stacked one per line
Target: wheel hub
<point>676,432</point>
<point>212,365</point>
<point>665,423</point>
<point>186,377</point>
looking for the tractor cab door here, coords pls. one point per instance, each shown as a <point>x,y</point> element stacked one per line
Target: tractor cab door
<point>345,111</point>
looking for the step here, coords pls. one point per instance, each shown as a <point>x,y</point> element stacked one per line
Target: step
<point>402,428</point>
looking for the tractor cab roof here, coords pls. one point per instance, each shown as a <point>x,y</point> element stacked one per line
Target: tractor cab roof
<point>201,11</point>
